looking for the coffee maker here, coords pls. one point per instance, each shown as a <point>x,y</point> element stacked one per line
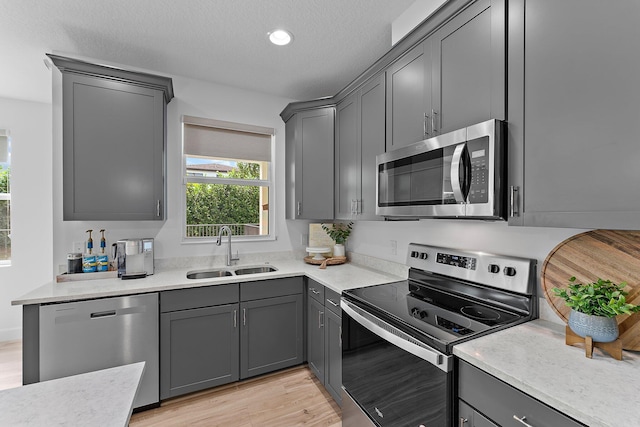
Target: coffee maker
<point>134,257</point>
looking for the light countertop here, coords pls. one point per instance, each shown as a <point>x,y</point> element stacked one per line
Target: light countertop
<point>336,277</point>
<point>100,398</point>
<point>532,357</point>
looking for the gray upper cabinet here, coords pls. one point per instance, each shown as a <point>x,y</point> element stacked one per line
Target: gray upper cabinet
<point>409,97</point>
<point>113,141</point>
<point>309,164</point>
<point>452,79</point>
<point>468,68</point>
<point>578,134</point>
<point>360,137</point>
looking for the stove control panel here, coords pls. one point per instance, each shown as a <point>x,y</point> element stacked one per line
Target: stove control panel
<point>499,271</point>
<point>456,260</point>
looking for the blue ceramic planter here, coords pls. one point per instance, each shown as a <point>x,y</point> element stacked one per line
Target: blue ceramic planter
<point>599,328</point>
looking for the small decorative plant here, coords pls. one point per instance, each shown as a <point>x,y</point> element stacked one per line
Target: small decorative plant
<point>602,298</point>
<point>338,232</point>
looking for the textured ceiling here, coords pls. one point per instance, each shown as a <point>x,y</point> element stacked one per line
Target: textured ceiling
<point>222,41</point>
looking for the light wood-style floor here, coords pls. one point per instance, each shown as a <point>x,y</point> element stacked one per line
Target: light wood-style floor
<point>292,397</point>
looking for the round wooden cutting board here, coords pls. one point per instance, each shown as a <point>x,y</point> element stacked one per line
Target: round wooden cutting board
<point>605,254</point>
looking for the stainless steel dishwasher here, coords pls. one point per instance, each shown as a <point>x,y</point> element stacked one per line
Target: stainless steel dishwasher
<point>85,336</point>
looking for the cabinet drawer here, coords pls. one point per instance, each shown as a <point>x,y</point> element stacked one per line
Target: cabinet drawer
<point>183,299</point>
<point>332,301</point>
<point>315,290</point>
<point>500,401</point>
<point>270,288</point>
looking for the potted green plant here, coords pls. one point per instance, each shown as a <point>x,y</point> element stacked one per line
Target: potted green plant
<point>339,232</point>
<point>594,307</point>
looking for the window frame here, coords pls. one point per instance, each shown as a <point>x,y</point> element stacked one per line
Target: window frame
<point>268,183</point>
<point>5,134</point>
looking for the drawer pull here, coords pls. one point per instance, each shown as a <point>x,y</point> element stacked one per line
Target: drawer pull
<point>333,303</point>
<point>463,421</point>
<point>522,420</point>
<point>313,291</point>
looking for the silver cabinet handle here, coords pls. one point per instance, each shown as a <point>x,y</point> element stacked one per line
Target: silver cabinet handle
<point>320,322</point>
<point>244,317</point>
<point>299,208</point>
<point>425,125</point>
<point>513,201</point>
<point>463,421</point>
<point>434,121</point>
<point>235,318</point>
<point>340,342</point>
<point>158,208</point>
<point>313,290</point>
<point>358,207</point>
<point>522,420</point>
<point>333,303</point>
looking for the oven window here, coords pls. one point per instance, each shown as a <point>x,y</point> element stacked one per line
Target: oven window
<point>394,387</point>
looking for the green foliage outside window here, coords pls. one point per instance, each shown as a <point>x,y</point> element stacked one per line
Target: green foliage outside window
<point>225,203</point>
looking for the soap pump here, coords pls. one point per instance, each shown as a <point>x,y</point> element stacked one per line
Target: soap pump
<point>103,258</point>
<point>89,261</point>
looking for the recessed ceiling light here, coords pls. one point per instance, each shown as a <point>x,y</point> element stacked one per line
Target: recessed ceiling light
<point>280,37</point>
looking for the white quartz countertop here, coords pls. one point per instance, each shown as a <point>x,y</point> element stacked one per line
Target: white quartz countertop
<point>336,277</point>
<point>101,398</point>
<point>533,357</point>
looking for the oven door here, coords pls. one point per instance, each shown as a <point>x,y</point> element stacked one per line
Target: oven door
<point>391,377</point>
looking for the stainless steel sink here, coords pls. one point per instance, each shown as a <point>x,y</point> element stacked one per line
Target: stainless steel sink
<point>208,274</point>
<point>255,270</point>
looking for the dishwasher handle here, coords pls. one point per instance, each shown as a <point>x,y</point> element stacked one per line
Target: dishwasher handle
<point>397,337</point>
<point>102,314</point>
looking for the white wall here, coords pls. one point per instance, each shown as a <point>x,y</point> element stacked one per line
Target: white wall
<point>31,225</point>
<point>195,98</point>
<point>412,17</point>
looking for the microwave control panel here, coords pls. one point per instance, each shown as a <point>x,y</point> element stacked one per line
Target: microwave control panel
<point>479,155</point>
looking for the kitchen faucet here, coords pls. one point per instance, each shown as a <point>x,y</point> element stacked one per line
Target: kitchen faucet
<point>230,256</point>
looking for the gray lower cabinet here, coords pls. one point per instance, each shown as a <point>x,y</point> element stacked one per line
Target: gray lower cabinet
<point>309,164</point>
<point>324,337</point>
<point>491,402</point>
<point>360,137</point>
<point>271,333</point>
<point>113,130</point>
<point>576,130</point>
<point>215,335</point>
<point>200,342</point>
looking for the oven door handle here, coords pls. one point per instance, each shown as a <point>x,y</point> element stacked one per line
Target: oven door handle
<point>396,337</point>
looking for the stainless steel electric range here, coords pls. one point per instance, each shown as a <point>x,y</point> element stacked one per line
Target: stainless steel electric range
<point>397,338</point>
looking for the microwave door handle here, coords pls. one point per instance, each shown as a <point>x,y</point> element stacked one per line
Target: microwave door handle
<point>456,162</point>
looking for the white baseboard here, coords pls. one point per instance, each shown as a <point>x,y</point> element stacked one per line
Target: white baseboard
<point>10,334</point>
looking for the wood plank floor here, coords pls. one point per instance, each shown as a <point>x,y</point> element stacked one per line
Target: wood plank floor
<point>292,397</point>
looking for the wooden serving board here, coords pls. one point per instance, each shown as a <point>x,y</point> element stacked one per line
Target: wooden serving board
<point>605,254</point>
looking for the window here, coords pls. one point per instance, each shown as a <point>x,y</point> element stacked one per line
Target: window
<point>5,198</point>
<point>228,177</point>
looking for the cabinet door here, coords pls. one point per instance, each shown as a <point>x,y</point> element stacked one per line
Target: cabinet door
<point>314,164</point>
<point>199,348</point>
<point>347,158</point>
<point>372,141</point>
<point>469,67</point>
<point>333,355</point>
<point>271,335</point>
<point>581,113</point>
<point>113,150</point>
<point>409,97</point>
<point>315,338</point>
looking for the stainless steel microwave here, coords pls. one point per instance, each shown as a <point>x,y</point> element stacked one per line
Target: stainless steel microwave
<point>460,174</point>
